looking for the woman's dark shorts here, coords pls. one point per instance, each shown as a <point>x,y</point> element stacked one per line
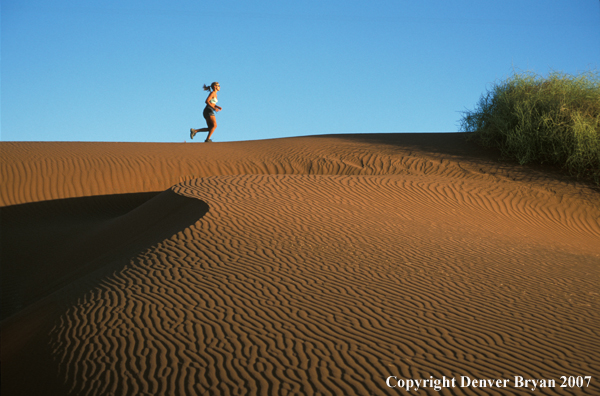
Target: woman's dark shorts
<point>208,112</point>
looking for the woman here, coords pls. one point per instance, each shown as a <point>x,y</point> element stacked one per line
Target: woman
<point>209,112</point>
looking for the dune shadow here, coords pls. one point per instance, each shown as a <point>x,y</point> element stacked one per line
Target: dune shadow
<point>46,245</point>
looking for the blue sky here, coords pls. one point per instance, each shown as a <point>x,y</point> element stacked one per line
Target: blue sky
<point>133,70</point>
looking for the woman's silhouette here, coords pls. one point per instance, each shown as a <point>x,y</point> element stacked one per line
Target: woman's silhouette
<point>209,112</point>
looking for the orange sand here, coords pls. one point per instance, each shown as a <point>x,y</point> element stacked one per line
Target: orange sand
<point>313,265</point>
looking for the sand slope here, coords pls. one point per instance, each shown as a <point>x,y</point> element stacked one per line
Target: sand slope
<point>316,265</point>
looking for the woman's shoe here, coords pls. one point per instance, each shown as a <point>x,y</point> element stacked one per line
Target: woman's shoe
<point>192,133</point>
<point>208,141</point>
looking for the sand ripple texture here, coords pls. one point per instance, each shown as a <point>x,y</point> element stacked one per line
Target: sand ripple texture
<point>311,284</point>
<point>41,171</point>
<point>327,285</point>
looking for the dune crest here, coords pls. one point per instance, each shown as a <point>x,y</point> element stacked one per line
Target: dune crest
<point>41,171</point>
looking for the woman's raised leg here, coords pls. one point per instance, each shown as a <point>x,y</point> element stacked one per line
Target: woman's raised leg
<point>212,125</point>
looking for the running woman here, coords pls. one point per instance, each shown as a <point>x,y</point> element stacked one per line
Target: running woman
<point>209,112</point>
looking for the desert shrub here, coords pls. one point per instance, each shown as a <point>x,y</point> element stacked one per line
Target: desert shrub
<point>546,120</point>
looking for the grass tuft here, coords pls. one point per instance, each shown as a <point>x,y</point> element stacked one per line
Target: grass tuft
<point>545,120</point>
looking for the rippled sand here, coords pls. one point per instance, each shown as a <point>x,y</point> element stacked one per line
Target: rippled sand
<point>313,265</point>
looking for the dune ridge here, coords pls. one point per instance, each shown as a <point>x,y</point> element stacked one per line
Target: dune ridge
<point>424,262</point>
<point>40,171</point>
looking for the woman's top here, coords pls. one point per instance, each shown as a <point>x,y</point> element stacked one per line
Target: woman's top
<point>209,110</point>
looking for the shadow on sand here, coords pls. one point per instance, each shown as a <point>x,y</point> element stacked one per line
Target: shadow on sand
<point>46,245</point>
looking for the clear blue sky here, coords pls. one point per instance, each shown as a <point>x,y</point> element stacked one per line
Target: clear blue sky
<point>133,70</point>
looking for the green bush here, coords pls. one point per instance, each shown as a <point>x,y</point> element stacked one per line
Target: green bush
<point>546,120</point>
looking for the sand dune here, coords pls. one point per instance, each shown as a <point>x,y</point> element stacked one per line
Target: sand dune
<point>315,265</point>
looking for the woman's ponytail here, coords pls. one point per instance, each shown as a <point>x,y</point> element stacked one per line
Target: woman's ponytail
<point>211,87</point>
